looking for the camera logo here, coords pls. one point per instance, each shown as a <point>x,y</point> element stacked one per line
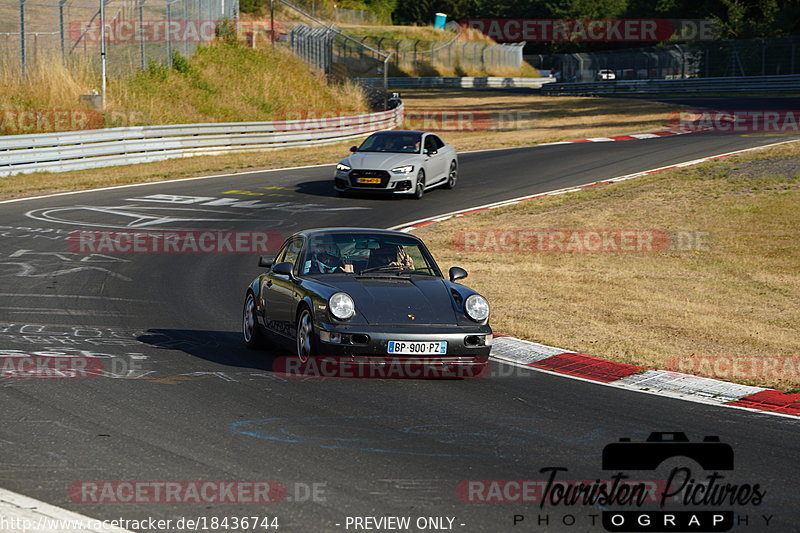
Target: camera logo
<point>711,454</point>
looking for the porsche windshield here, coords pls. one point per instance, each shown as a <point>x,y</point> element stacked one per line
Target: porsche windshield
<point>364,253</point>
<point>403,143</point>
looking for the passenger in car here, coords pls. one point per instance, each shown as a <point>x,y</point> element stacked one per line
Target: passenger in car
<point>390,255</point>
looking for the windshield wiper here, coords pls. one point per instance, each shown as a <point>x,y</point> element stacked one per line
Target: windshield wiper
<point>387,268</point>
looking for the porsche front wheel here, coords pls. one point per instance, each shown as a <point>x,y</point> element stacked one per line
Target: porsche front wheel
<point>306,343</point>
<point>251,333</point>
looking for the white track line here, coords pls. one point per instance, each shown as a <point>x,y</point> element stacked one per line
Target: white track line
<point>23,514</point>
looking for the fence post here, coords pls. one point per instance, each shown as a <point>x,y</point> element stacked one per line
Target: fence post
<point>386,78</point>
<point>169,33</point>
<point>140,32</point>
<point>103,52</point>
<point>272,22</point>
<point>61,27</point>
<point>22,36</point>
<point>185,23</point>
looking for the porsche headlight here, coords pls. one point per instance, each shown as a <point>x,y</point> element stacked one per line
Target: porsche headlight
<point>341,306</point>
<point>477,308</point>
<point>342,167</point>
<point>403,170</point>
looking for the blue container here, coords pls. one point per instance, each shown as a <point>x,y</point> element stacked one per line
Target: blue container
<point>441,18</point>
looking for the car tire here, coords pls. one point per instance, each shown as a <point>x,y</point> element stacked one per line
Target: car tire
<point>419,189</point>
<point>253,337</point>
<point>452,176</point>
<point>305,343</point>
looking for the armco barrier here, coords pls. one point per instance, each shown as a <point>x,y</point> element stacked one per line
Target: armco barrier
<point>490,82</point>
<point>77,150</point>
<point>754,84</point>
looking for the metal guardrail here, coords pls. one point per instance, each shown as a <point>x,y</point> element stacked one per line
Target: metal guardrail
<point>78,150</point>
<point>492,82</point>
<point>761,84</point>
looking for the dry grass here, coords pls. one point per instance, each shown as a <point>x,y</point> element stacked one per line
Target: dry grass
<point>220,83</point>
<point>232,83</point>
<point>525,119</point>
<point>49,83</point>
<point>735,301</point>
<point>427,34</point>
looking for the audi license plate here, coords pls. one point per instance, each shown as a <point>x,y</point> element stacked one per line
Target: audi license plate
<point>369,180</point>
<point>418,348</point>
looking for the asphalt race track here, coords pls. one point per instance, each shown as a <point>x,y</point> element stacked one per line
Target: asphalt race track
<point>202,407</point>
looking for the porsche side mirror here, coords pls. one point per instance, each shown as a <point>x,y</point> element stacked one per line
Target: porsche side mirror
<point>354,149</point>
<point>284,268</point>
<point>264,262</point>
<point>457,273</point>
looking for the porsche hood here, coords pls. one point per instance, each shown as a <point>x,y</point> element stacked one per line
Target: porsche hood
<point>412,300</point>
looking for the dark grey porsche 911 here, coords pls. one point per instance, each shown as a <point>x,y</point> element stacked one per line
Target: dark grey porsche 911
<point>349,292</point>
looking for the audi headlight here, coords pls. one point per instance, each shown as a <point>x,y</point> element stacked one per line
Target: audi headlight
<point>341,306</point>
<point>477,308</point>
<point>403,170</point>
<point>342,167</point>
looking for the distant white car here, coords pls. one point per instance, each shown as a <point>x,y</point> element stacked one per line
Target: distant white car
<point>605,74</point>
<point>398,162</point>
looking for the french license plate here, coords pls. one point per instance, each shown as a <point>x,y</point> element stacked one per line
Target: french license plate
<point>418,348</point>
<point>369,180</point>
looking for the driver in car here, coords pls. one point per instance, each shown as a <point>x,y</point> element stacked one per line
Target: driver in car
<point>325,258</point>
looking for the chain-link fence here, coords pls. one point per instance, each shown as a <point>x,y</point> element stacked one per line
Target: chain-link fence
<point>702,59</point>
<point>341,57</point>
<point>135,32</point>
<point>426,58</point>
